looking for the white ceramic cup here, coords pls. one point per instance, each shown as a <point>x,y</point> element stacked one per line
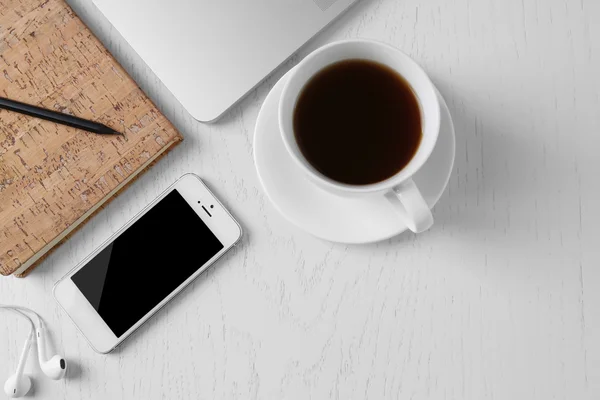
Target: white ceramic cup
<point>412,208</point>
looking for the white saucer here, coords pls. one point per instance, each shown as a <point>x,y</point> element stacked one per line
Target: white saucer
<point>327,216</point>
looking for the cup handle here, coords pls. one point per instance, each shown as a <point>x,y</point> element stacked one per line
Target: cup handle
<point>415,212</point>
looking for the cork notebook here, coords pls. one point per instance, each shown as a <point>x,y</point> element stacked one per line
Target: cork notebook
<point>53,177</point>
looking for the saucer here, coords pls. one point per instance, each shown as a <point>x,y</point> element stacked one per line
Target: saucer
<point>326,215</point>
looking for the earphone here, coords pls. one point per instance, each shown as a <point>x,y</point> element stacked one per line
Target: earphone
<point>19,384</point>
<point>54,368</point>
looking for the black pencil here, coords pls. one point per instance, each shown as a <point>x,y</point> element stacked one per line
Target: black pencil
<point>55,116</point>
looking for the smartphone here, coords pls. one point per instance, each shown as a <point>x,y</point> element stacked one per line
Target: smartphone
<point>146,263</point>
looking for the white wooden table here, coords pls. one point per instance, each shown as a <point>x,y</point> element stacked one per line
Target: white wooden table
<point>500,300</point>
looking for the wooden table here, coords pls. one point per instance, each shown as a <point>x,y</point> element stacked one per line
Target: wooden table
<point>500,300</point>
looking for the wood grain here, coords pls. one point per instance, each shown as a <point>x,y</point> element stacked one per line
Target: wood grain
<point>500,300</point>
<point>50,174</point>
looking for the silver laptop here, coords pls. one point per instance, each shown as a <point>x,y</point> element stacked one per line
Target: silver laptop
<point>210,53</point>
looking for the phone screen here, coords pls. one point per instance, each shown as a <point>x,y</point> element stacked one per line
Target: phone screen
<point>146,262</point>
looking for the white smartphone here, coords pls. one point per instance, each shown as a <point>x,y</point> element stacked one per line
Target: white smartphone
<point>146,263</point>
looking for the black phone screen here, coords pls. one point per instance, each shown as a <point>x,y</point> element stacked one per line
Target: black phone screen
<point>149,260</point>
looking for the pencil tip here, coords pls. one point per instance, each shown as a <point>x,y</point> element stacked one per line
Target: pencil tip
<point>111,131</point>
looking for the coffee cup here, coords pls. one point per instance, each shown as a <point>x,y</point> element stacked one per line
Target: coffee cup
<point>411,207</point>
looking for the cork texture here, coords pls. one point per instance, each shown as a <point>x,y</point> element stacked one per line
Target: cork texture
<point>50,174</point>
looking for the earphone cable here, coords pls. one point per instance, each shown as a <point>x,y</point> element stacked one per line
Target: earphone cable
<point>31,335</point>
<point>21,310</point>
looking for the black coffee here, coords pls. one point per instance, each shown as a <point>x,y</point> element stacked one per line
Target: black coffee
<point>358,122</point>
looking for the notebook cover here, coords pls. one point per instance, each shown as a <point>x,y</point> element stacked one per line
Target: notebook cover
<point>51,175</point>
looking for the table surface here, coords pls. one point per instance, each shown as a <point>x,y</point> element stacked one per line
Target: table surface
<point>500,300</point>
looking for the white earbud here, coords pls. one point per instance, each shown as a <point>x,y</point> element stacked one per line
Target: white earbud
<point>54,368</point>
<point>19,384</point>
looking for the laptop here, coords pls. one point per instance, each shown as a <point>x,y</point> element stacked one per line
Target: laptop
<point>210,53</point>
